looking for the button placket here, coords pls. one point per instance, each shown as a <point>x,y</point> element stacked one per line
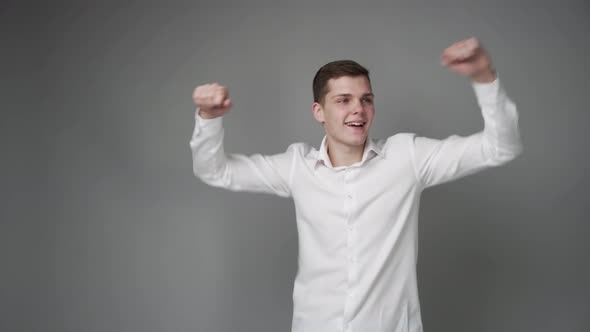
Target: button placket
<point>350,252</point>
<point>348,327</point>
<point>349,247</point>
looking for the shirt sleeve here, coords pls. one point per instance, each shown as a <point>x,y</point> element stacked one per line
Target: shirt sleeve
<point>237,172</point>
<point>439,161</point>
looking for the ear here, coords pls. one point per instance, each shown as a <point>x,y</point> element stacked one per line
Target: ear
<point>318,112</point>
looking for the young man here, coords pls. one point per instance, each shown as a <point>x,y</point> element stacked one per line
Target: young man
<point>357,198</point>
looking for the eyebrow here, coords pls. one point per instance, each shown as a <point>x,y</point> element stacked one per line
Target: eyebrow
<point>369,94</point>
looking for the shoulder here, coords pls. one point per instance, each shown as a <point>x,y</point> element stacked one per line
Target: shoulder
<point>399,142</point>
<point>400,137</point>
<point>300,149</point>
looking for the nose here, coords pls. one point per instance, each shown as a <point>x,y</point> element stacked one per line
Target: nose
<point>358,107</point>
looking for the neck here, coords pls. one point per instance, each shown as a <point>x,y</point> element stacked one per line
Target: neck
<point>344,155</point>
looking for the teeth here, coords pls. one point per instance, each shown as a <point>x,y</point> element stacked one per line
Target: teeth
<point>355,123</point>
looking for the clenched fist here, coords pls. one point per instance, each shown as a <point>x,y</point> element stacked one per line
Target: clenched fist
<point>212,100</point>
<point>468,58</point>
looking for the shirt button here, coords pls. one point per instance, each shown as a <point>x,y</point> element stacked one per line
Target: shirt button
<point>349,196</point>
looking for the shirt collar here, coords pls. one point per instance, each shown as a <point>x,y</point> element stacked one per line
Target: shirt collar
<point>317,157</point>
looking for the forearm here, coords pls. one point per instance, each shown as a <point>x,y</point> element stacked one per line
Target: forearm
<point>501,140</point>
<point>208,156</point>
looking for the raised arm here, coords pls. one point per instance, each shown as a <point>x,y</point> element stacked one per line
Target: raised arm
<point>439,161</point>
<point>237,172</point>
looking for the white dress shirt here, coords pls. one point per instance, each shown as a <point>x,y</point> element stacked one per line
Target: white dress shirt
<point>358,224</point>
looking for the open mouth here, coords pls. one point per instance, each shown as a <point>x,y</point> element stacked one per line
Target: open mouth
<point>356,124</point>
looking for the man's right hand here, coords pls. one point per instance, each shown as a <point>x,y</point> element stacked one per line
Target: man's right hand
<point>212,100</point>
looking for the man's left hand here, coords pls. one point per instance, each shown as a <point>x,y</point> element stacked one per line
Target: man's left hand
<point>468,58</point>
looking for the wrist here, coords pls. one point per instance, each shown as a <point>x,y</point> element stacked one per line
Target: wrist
<point>485,76</point>
<point>205,115</point>
<point>209,124</point>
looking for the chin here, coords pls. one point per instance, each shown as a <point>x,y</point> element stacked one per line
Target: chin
<point>351,140</point>
<point>358,141</point>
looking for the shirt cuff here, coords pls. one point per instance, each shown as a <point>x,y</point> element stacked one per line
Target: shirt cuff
<point>487,93</point>
<point>207,125</point>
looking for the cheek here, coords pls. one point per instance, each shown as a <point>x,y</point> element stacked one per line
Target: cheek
<point>336,115</point>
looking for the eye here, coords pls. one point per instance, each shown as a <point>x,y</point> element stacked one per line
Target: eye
<point>342,101</point>
<point>368,101</point>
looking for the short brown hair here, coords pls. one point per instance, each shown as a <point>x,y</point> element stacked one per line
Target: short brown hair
<point>335,69</point>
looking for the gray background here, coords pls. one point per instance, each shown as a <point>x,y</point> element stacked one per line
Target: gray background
<point>104,228</point>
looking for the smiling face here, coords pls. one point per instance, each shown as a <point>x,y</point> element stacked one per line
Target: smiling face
<point>346,111</point>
